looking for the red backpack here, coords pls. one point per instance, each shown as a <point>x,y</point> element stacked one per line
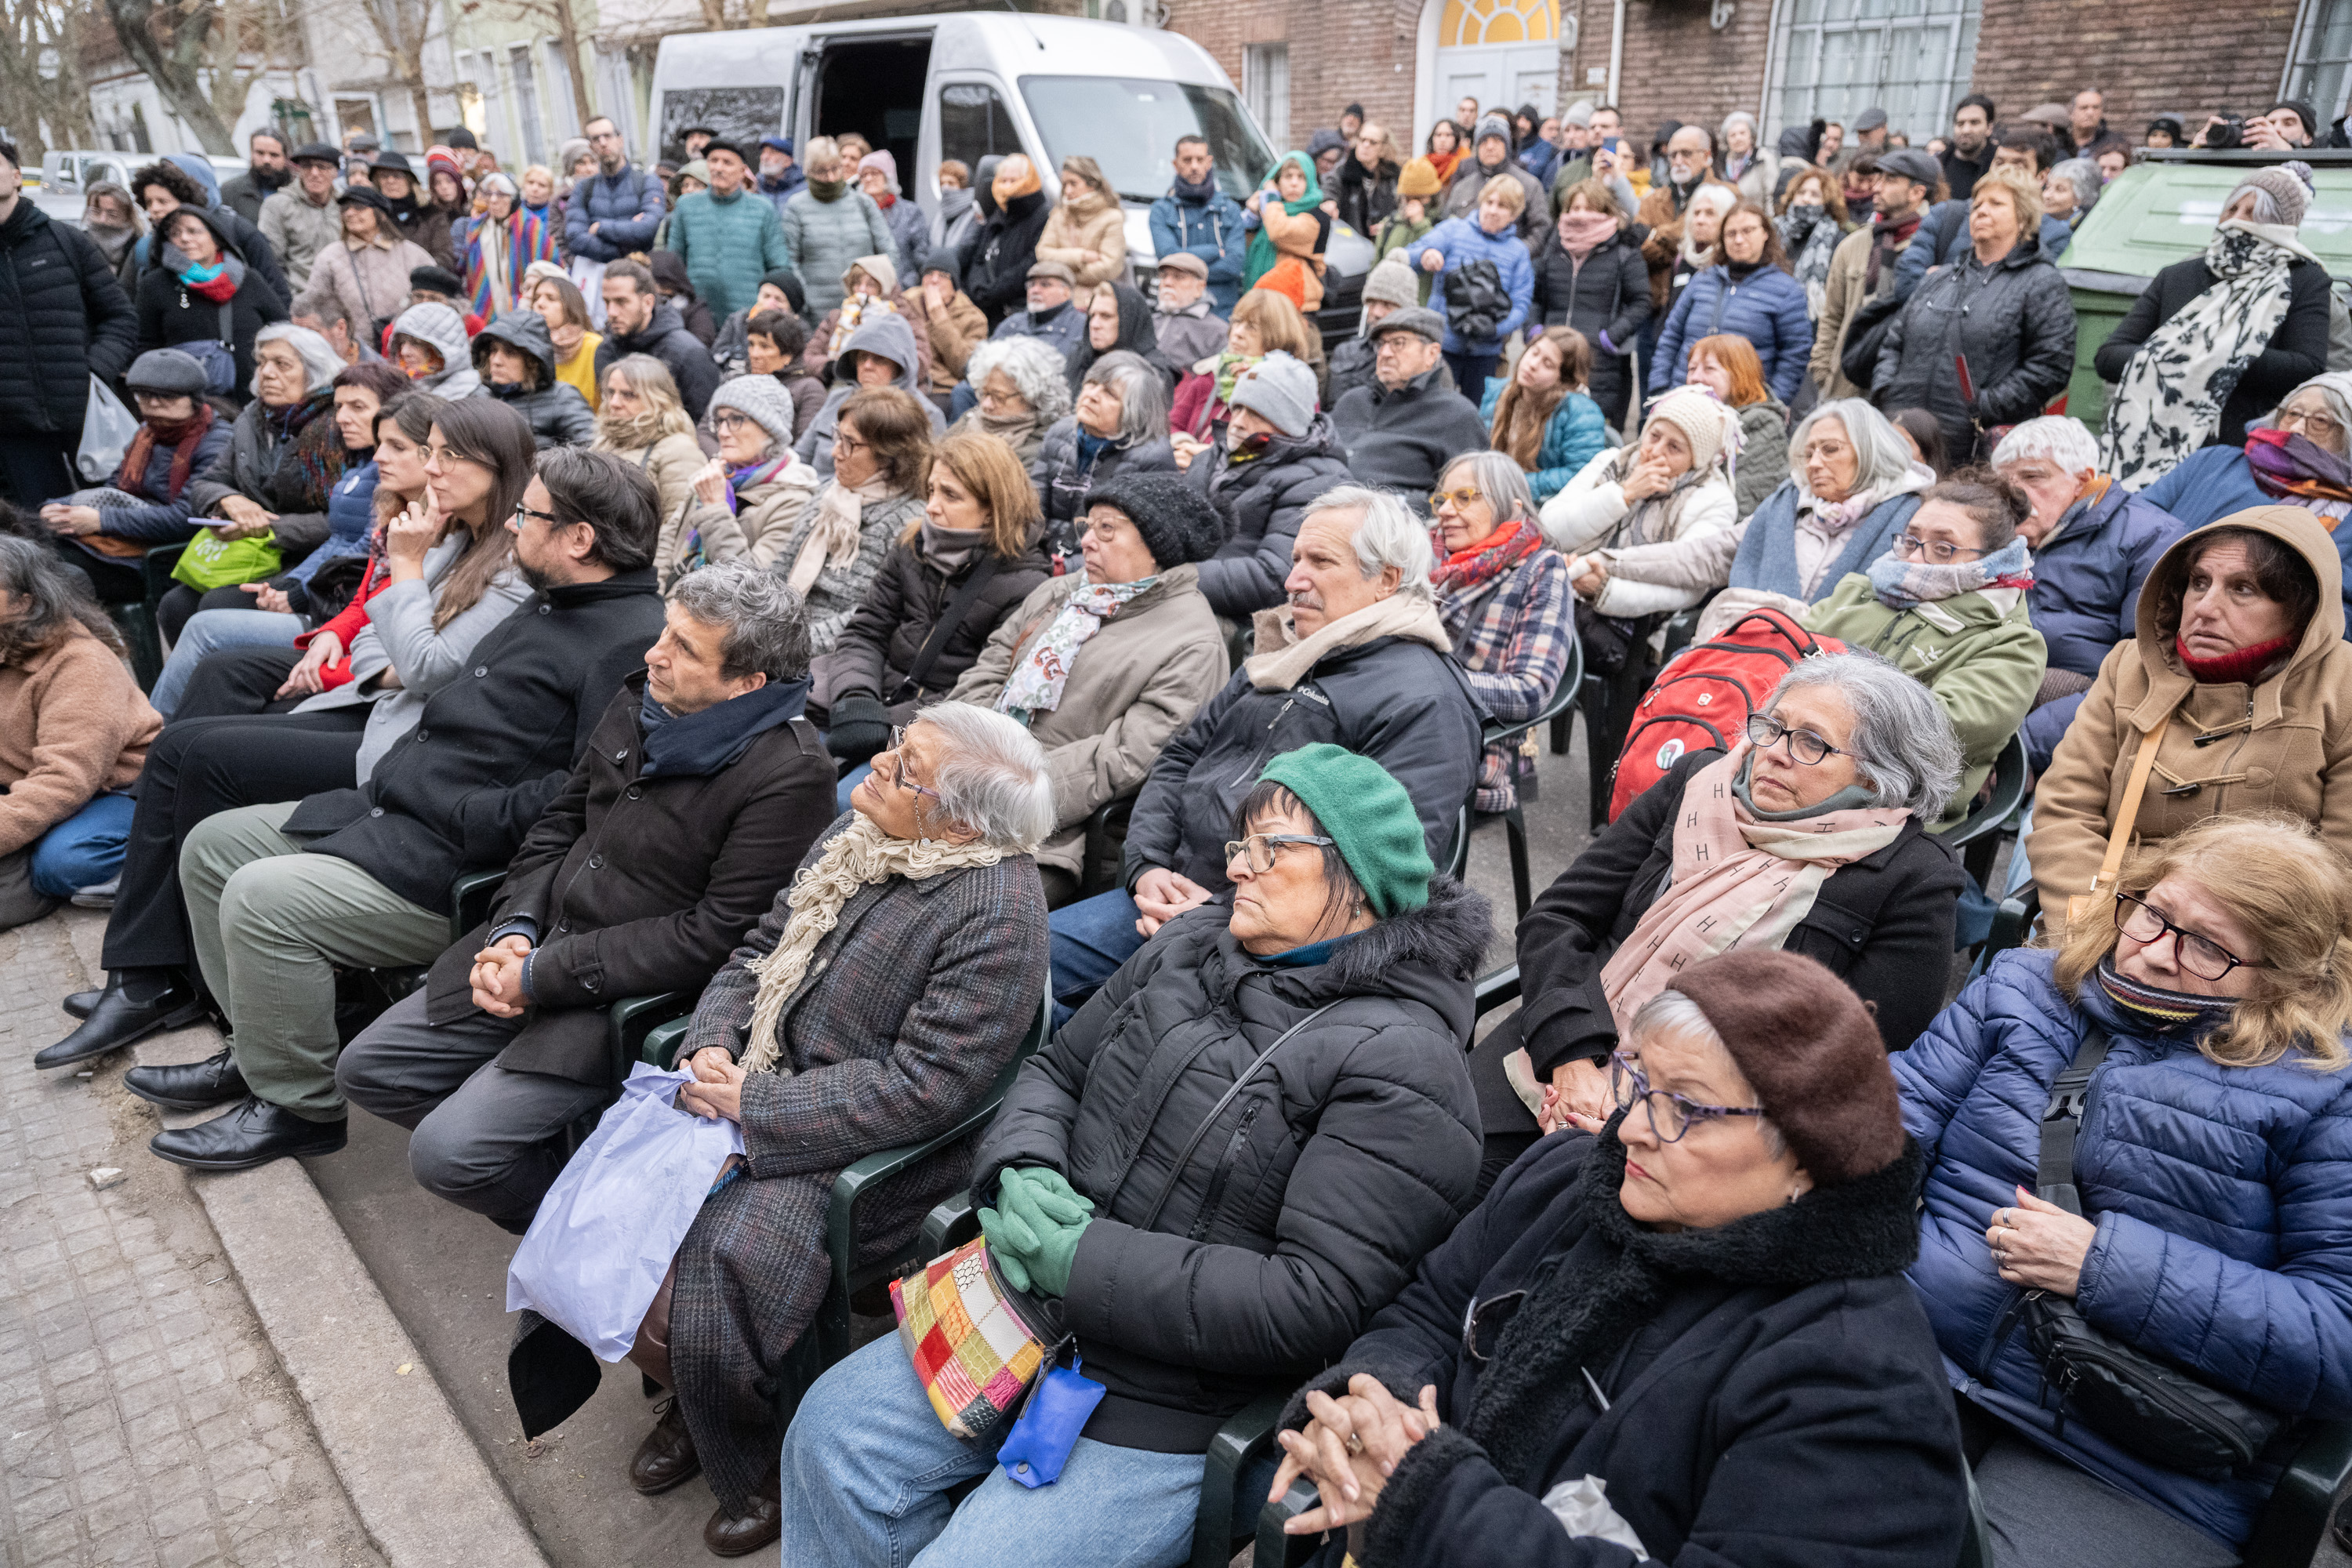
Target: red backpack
<point>1702,698</point>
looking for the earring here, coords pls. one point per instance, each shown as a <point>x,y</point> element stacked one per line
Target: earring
<point>1795,1196</point>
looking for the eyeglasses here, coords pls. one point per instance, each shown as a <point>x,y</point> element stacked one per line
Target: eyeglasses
<point>1909,545</point>
<point>1671,1114</point>
<point>1461,495</point>
<point>2314,426</point>
<point>1764,733</point>
<point>897,750</point>
<point>2200,955</point>
<point>723,423</point>
<point>845,442</point>
<point>547,518</point>
<point>1261,846</point>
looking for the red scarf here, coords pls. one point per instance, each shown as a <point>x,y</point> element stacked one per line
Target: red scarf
<point>2243,667</point>
<point>220,290</point>
<point>1486,560</point>
<point>184,437</point>
<point>1887,238</point>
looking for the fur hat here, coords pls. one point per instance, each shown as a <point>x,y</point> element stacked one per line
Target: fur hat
<point>2288,185</point>
<point>763,400</point>
<point>1392,283</point>
<point>1812,1052</point>
<point>1419,179</point>
<point>1695,412</point>
<point>1176,521</point>
<point>1279,388</point>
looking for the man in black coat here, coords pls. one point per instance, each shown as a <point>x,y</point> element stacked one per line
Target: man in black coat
<point>1400,432</point>
<point>1358,658</point>
<point>278,896</point>
<point>700,792</point>
<point>638,320</point>
<point>63,319</point>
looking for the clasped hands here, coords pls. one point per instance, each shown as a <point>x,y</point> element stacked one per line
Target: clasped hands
<point>1162,895</point>
<point>1033,1232</point>
<point>1350,1449</point>
<point>2040,1245</point>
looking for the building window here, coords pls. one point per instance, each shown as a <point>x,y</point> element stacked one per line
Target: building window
<point>2320,70</point>
<point>974,124</point>
<point>526,88</point>
<point>1834,59</point>
<point>1265,87</point>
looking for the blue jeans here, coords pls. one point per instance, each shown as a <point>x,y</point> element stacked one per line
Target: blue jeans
<point>849,782</point>
<point>85,849</point>
<point>209,632</point>
<point>1090,939</point>
<point>866,1467</point>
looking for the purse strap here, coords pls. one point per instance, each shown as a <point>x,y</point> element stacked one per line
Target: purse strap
<point>1176,1167</point>
<point>2119,841</point>
<point>966,595</point>
<point>2062,1122</point>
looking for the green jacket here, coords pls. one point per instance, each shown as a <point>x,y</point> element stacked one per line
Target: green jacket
<point>728,244</point>
<point>1395,233</point>
<point>1983,662</point>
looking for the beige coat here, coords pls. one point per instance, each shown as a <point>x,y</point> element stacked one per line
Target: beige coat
<point>671,463</point>
<point>72,724</point>
<point>371,280</point>
<point>1843,296</point>
<point>1136,682</point>
<point>2290,746</point>
<point>755,533</point>
<point>1094,221</point>
<point>953,332</point>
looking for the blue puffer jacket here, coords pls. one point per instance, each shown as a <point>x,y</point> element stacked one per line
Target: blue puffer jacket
<point>2223,1196</point>
<point>1458,241</point>
<point>1767,307</point>
<point>158,521</point>
<point>626,207</point>
<point>1573,439</point>
<point>2086,596</point>
<point>2215,481</point>
<point>350,513</point>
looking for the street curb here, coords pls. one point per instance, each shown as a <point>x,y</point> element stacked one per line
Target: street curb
<point>422,1489</point>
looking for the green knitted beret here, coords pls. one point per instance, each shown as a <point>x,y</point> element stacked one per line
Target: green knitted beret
<point>1370,816</point>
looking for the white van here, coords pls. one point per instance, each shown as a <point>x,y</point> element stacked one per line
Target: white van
<point>966,85</point>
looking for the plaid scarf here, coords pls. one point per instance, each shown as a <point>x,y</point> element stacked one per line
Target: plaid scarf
<point>1484,561</point>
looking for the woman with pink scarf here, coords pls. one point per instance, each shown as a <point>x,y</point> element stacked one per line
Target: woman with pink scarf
<point>1809,834</point>
<point>1590,275</point>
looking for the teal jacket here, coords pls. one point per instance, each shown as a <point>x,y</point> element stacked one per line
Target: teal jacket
<point>1573,438</point>
<point>729,243</point>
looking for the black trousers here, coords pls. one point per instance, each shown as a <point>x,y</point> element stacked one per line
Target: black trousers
<point>239,680</point>
<point>197,768</point>
<point>37,465</point>
<point>114,581</point>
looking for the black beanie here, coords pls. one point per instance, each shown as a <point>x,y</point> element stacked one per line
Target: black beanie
<point>787,279</point>
<point>1176,521</point>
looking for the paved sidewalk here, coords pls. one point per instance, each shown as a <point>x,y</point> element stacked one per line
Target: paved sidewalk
<point>143,1416</point>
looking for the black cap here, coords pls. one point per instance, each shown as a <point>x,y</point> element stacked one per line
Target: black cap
<point>317,153</point>
<point>390,159</point>
<point>366,196</point>
<point>439,280</point>
<point>722,144</point>
<point>461,137</point>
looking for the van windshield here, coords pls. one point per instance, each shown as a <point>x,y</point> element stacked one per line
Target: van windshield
<point>1072,112</point>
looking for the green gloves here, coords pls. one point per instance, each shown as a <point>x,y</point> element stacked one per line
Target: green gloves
<point>1032,1232</point>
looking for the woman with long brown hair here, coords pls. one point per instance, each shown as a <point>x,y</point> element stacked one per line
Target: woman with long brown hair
<point>1544,417</point>
<point>644,419</point>
<point>1745,290</point>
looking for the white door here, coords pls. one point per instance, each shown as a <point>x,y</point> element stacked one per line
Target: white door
<point>1504,53</point>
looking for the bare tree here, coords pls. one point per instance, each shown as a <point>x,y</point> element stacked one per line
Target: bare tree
<point>43,96</point>
<point>401,26</point>
<point>172,41</point>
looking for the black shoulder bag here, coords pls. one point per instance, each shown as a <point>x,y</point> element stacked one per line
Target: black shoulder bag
<point>2140,1404</point>
<point>966,594</point>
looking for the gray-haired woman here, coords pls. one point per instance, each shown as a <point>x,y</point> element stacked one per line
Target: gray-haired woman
<point>1810,835</point>
<point>2071,189</point>
<point>1120,426</point>
<point>872,1007</point>
<point>1023,390</point>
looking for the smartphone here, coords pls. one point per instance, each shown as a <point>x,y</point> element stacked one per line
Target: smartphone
<point>1612,146</point>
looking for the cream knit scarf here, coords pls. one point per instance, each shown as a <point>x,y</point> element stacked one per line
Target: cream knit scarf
<point>1283,657</point>
<point>832,531</point>
<point>859,855</point>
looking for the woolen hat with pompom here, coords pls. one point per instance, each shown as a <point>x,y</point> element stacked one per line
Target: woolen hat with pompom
<point>2288,183</point>
<point>1812,1052</point>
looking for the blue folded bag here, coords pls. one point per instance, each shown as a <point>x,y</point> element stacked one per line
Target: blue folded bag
<point>1040,1442</point>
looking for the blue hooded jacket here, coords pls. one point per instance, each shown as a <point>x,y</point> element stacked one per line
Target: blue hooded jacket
<point>1459,241</point>
<point>1767,307</point>
<point>2222,1197</point>
<point>1212,230</point>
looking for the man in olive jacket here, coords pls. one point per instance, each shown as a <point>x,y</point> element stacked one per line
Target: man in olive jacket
<point>278,896</point>
<point>700,792</point>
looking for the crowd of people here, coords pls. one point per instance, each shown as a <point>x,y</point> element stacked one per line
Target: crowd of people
<point>885,626</point>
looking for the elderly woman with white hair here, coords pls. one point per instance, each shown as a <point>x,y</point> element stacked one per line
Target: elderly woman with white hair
<point>1810,835</point>
<point>872,1007</point>
<point>2071,189</point>
<point>1744,162</point>
<point>2216,338</point>
<point>1024,390</point>
<point>1119,426</point>
<point>1853,484</point>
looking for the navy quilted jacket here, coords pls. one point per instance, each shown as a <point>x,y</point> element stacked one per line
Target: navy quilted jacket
<point>2224,1200</point>
<point>1767,307</point>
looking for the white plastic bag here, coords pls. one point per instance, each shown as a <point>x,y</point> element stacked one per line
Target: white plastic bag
<point>1582,1506</point>
<point>107,428</point>
<point>604,1236</point>
<point>589,278</point>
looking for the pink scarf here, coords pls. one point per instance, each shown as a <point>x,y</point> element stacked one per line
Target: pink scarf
<point>1737,882</point>
<point>1581,234</point>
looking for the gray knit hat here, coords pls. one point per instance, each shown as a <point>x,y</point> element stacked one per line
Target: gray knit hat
<point>167,372</point>
<point>2287,184</point>
<point>761,398</point>
<point>1280,388</point>
<point>1492,125</point>
<point>1392,283</point>
<point>1176,521</point>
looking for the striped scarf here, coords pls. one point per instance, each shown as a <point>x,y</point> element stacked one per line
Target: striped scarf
<point>2162,1011</point>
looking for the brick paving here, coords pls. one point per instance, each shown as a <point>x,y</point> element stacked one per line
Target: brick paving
<point>143,1418</point>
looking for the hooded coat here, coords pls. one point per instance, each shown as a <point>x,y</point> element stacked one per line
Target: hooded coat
<point>2219,1194</point>
<point>249,241</point>
<point>369,280</point>
<point>766,514</point>
<point>2013,322</point>
<point>887,336</point>
<point>170,314</point>
<point>1133,685</point>
<point>1262,498</point>
<point>1457,242</point>
<point>1591,511</point>
<point>1095,222</point>
<point>1401,439</point>
<point>440,326</point>
<point>823,238</point>
<point>559,415</point>
<point>996,274</point>
<point>1316,1189</point>
<point>63,319</point>
<point>299,231</point>
<point>665,338</point>
<point>2290,734</point>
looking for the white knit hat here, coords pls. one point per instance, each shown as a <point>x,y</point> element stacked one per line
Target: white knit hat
<point>1710,425</point>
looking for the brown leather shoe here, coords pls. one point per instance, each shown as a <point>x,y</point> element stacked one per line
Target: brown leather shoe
<point>666,1458</point>
<point>738,1535</point>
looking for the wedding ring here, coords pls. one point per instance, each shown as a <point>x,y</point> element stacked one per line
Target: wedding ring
<point>1355,1444</point>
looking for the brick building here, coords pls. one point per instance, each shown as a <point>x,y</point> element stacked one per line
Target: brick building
<point>1407,61</point>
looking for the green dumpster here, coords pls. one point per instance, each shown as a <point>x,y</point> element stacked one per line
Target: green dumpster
<point>2161,210</point>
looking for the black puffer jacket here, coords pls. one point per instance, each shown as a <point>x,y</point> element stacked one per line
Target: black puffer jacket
<point>1879,924</point>
<point>997,273</point>
<point>1062,477</point>
<point>170,314</point>
<point>2297,350</point>
<point>63,319</point>
<point>1309,1203</point>
<point>558,414</point>
<point>1396,700</point>
<point>666,339</point>
<point>1264,499</point>
<point>1608,292</point>
<point>2015,321</point>
<point>903,603</point>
